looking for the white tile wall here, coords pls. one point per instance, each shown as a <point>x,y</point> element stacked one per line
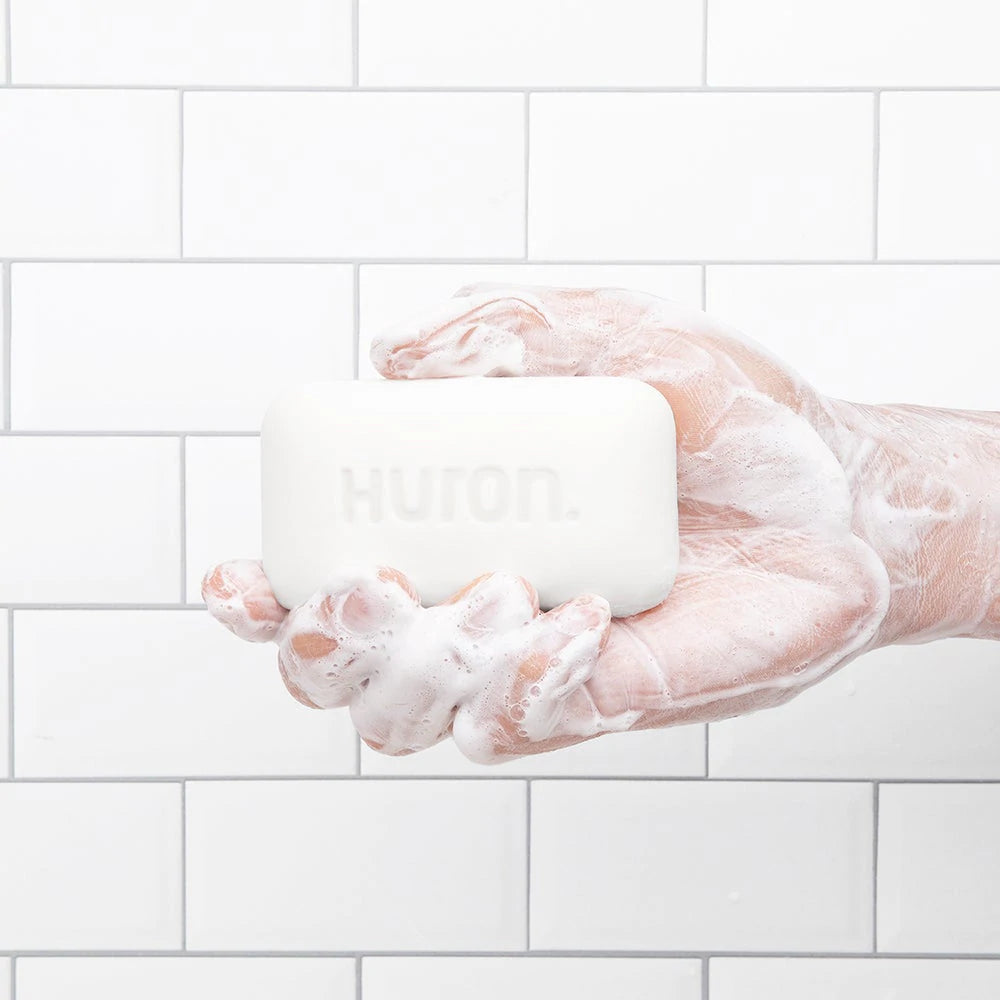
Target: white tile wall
<point>222,502</point>
<point>109,346</point>
<point>90,866</point>
<point>530,43</point>
<point>647,866</point>
<point>232,42</point>
<point>201,201</point>
<point>938,195</point>
<point>938,870</point>
<point>190,978</point>
<point>97,519</point>
<point>882,716</point>
<point>856,978</point>
<point>871,43</point>
<point>822,318</point>
<point>531,978</point>
<point>700,176</point>
<point>314,175</point>
<point>89,173</point>
<point>350,865</point>
<point>133,693</point>
<point>676,752</point>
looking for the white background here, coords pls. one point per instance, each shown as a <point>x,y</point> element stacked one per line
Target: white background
<point>202,201</point>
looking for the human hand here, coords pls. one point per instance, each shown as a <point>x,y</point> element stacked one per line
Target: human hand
<point>789,565</point>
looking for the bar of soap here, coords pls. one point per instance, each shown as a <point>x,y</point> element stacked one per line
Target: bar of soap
<point>568,482</point>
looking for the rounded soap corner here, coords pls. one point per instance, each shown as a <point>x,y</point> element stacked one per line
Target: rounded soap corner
<point>279,405</point>
<point>650,399</point>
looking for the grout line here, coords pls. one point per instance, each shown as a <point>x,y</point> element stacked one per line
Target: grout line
<point>9,50</point>
<point>357,319</point>
<point>180,174</point>
<point>13,977</point>
<point>876,142</point>
<point>567,953</point>
<point>697,88</point>
<point>491,776</point>
<point>127,433</point>
<point>704,288</point>
<point>183,512</point>
<point>357,978</point>
<point>527,167</point>
<point>534,262</point>
<point>10,694</point>
<point>704,978</point>
<point>355,42</point>
<point>708,729</point>
<point>184,918</point>
<point>121,606</point>
<point>875,803</point>
<point>6,336</point>
<point>704,43</point>
<point>357,755</point>
<point>527,868</point>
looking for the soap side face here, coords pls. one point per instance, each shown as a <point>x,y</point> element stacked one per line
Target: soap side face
<point>568,482</point>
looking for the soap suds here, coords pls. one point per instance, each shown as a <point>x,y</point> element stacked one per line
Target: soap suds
<point>809,533</point>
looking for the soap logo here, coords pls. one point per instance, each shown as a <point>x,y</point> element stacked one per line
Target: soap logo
<point>488,493</point>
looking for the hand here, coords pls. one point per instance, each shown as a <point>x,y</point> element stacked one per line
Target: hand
<point>783,574</point>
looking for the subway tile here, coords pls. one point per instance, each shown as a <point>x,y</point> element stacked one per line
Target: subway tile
<point>362,174</point>
<point>172,346</point>
<point>531,978</point>
<point>922,711</point>
<point>870,332</point>
<point>678,752</point>
<point>95,866</point>
<point>700,866</point>
<point>4,355</point>
<point>163,42</point>
<point>857,978</point>
<point>396,865</point>
<point>201,978</point>
<point>870,43</point>
<point>89,173</point>
<point>938,868</point>
<point>5,677</point>
<point>222,504</point>
<point>85,681</point>
<point>97,519</point>
<point>938,192</point>
<point>530,43</point>
<point>391,292</point>
<point>701,176</point>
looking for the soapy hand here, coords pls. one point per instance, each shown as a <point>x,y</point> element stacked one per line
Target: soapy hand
<point>811,530</point>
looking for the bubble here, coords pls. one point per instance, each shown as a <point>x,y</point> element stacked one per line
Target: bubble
<point>517,713</point>
<point>535,690</point>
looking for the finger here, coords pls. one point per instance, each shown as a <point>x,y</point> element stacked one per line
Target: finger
<point>333,643</point>
<point>438,659</point>
<point>238,595</point>
<point>539,699</point>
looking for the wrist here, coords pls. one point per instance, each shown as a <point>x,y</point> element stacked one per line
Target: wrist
<point>926,489</point>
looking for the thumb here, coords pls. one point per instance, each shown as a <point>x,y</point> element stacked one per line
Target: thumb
<point>507,330</point>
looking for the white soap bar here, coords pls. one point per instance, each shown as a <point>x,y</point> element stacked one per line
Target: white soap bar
<point>568,482</point>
